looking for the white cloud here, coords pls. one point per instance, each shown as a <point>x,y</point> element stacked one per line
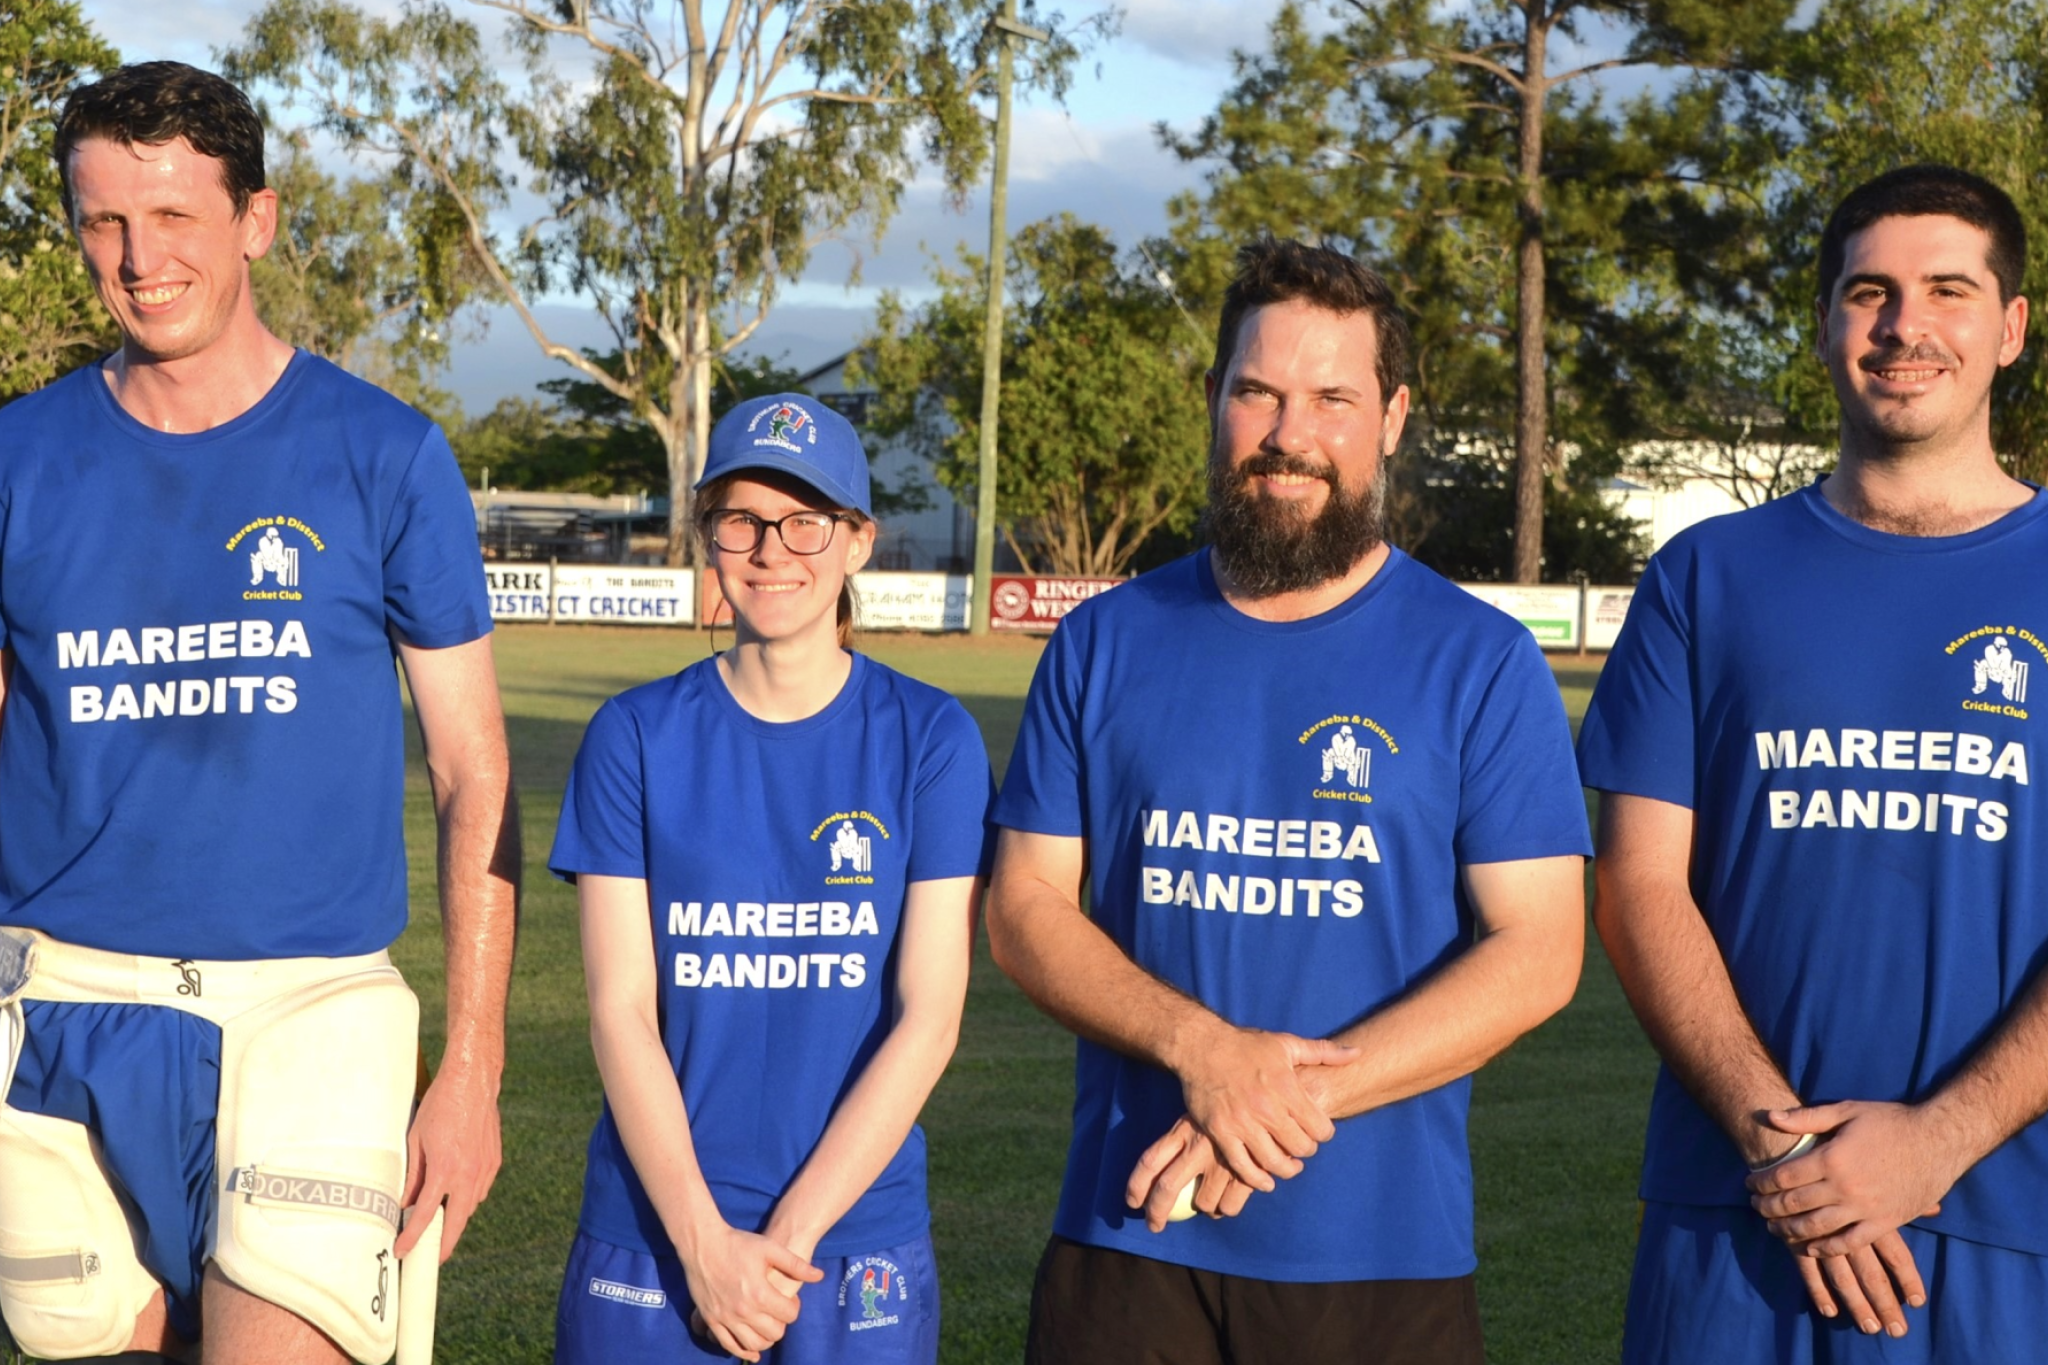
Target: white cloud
<point>1198,33</point>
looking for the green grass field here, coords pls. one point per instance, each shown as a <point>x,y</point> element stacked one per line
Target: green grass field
<point>1556,1123</point>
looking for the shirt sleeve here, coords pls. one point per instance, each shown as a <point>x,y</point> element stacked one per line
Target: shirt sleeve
<point>603,828</point>
<point>950,801</point>
<point>1519,794</point>
<point>1042,790</point>
<point>1638,733</point>
<point>434,590</point>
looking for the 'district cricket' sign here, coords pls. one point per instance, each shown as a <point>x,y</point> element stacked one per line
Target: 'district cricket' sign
<point>1038,602</point>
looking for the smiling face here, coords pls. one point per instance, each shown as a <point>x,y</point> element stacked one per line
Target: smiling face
<point>1915,333</point>
<point>777,596</point>
<point>1301,434</point>
<point>167,252</point>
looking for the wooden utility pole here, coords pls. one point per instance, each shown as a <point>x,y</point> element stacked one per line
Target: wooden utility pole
<point>1008,31</point>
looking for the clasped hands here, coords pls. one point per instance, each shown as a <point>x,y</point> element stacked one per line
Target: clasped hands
<point>1839,1206</point>
<point>1255,1114</point>
<point>744,1286</point>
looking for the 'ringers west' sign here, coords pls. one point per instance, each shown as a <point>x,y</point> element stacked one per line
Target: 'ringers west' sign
<point>1038,602</point>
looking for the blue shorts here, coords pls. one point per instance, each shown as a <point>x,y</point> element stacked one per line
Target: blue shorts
<point>1712,1286</point>
<point>145,1079</point>
<point>624,1307</point>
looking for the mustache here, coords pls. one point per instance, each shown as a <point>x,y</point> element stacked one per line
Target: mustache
<point>1921,353</point>
<point>1280,462</point>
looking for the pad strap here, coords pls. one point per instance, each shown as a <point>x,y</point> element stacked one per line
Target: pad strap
<point>72,1266</point>
<point>255,1185</point>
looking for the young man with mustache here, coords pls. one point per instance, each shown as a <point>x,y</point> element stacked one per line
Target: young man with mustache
<point>1820,873</point>
<point>1284,977</point>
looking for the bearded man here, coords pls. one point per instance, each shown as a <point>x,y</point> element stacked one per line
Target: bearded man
<point>1282,984</point>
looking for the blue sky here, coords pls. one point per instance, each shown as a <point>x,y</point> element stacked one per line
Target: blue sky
<point>1097,157</point>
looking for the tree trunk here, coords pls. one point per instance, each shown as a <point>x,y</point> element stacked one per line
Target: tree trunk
<point>1532,401</point>
<point>689,434</point>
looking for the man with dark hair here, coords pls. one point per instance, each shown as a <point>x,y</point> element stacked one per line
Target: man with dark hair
<point>1333,844</point>
<point>212,547</point>
<point>1820,857</point>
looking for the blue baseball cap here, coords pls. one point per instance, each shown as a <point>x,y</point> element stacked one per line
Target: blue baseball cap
<point>794,434</point>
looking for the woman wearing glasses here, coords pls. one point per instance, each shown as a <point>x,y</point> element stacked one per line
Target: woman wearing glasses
<point>776,854</point>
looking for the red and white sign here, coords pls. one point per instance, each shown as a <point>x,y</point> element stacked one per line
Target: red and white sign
<point>1038,603</point>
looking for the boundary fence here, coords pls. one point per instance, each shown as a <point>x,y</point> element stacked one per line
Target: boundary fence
<point>1561,616</point>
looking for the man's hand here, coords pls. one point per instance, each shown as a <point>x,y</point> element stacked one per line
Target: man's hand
<point>1868,1283</point>
<point>1167,1166</point>
<point>1880,1166</point>
<point>452,1153</point>
<point>1243,1095</point>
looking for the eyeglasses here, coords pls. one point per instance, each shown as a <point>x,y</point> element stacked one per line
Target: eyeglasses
<point>802,533</point>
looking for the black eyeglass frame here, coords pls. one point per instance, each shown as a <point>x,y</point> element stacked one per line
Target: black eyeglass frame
<point>732,516</point>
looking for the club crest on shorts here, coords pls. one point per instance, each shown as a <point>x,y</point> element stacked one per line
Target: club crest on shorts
<point>267,555</point>
<point>1341,752</point>
<point>2000,661</point>
<point>874,1292</point>
<point>849,838</point>
<point>786,425</point>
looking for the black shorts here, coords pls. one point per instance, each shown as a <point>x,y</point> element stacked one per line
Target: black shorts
<point>1092,1306</point>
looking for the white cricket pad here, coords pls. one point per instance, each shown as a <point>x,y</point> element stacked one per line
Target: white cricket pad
<point>316,1090</point>
<point>17,964</point>
<point>70,1281</point>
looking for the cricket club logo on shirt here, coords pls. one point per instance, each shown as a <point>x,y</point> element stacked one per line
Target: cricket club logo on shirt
<point>873,1293</point>
<point>787,423</point>
<point>2001,660</point>
<point>1340,755</point>
<point>268,550</point>
<point>849,838</point>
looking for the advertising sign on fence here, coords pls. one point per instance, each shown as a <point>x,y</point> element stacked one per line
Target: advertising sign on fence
<point>610,594</point>
<point>912,601</point>
<point>1606,609</point>
<point>1038,602</point>
<point>519,592</point>
<point>625,594</point>
<point>1550,613</point>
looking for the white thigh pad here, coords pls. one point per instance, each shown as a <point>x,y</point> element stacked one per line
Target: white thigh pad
<point>70,1281</point>
<point>316,1091</point>
<point>17,965</point>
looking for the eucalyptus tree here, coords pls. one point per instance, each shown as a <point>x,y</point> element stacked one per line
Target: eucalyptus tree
<point>672,163</point>
<point>49,320</point>
<point>1104,425</point>
<point>354,276</point>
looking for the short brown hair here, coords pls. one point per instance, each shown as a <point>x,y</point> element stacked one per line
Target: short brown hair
<point>1929,191</point>
<point>153,103</point>
<point>1279,269</point>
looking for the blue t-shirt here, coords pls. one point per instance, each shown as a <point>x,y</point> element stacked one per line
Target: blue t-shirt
<point>1847,715</point>
<point>204,749</point>
<point>1275,816</point>
<point>777,856</point>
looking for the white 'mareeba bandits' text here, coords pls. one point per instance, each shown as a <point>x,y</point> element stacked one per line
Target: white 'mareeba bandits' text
<point>223,694</point>
<point>771,919</point>
<point>1256,837</point>
<point>1937,751</point>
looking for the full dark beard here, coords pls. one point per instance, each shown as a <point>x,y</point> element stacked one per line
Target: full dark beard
<point>1269,547</point>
